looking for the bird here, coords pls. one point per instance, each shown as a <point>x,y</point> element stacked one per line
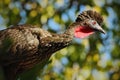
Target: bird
<point>24,46</point>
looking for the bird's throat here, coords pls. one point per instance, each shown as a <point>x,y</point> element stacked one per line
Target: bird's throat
<point>82,32</point>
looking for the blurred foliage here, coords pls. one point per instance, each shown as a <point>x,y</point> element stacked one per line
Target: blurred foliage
<point>96,58</point>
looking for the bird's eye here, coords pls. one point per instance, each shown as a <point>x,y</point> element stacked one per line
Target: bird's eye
<point>93,22</point>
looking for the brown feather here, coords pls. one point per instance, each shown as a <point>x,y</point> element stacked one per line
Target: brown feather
<point>89,14</point>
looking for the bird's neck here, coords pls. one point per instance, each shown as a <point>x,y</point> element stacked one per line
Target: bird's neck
<point>55,42</point>
<point>70,31</point>
<point>68,34</point>
<point>58,41</point>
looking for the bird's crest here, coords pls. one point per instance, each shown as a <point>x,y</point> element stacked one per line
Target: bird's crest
<point>89,14</point>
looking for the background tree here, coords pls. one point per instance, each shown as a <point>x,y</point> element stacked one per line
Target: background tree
<point>86,59</point>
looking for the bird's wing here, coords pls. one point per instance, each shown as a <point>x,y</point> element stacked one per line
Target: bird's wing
<point>16,42</point>
<point>19,42</point>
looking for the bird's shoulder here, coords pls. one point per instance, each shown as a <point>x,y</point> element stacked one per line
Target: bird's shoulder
<point>22,26</point>
<point>34,29</point>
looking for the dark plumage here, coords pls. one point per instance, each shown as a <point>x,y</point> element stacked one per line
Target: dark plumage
<point>24,46</point>
<point>90,15</point>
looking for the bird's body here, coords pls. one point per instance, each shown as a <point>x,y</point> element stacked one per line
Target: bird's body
<point>24,46</point>
<point>28,45</point>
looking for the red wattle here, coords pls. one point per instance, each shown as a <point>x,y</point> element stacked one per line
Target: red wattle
<point>82,32</point>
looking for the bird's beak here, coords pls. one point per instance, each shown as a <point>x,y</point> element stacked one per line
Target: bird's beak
<point>98,28</point>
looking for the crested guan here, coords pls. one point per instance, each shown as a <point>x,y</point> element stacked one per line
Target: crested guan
<point>24,46</point>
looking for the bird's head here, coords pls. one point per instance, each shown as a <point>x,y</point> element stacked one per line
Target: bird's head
<point>87,23</point>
